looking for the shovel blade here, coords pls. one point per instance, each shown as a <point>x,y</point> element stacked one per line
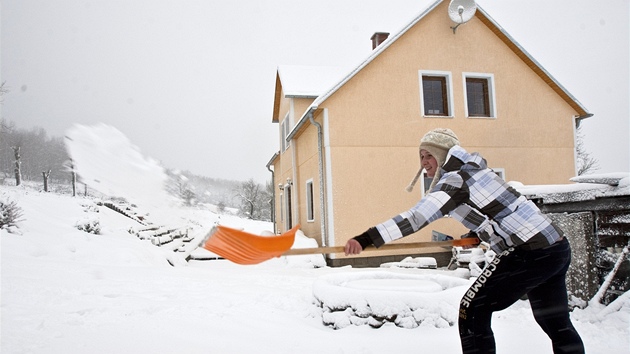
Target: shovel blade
<point>245,248</point>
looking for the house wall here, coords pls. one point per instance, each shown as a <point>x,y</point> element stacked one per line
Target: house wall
<point>282,167</point>
<point>302,153</point>
<point>308,166</point>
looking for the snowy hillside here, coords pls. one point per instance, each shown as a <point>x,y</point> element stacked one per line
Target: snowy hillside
<point>68,291</point>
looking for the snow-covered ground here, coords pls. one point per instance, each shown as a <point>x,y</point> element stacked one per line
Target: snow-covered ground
<point>68,291</point>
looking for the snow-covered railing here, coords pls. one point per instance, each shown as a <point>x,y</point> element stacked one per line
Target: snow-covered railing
<point>124,212</point>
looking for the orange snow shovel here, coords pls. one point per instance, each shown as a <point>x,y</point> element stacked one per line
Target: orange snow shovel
<point>245,248</point>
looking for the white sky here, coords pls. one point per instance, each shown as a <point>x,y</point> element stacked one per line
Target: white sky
<point>191,82</point>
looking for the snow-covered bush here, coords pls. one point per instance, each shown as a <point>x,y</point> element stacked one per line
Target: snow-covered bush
<point>90,206</point>
<point>10,214</point>
<point>91,226</point>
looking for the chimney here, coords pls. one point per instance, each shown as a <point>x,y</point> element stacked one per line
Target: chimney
<point>378,38</point>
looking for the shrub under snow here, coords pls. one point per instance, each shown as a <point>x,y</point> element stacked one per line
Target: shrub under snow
<point>10,215</point>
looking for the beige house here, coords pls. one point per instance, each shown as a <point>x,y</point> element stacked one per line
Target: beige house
<point>349,136</point>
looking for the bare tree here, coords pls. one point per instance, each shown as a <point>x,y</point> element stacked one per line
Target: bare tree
<point>3,90</point>
<point>254,200</point>
<point>585,162</point>
<point>37,152</point>
<point>187,195</point>
<point>46,175</point>
<point>18,164</point>
<point>249,194</point>
<point>178,185</point>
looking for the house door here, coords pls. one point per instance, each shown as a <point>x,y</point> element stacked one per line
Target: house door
<point>288,221</point>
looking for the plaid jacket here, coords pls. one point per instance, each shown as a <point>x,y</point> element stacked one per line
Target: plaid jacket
<point>473,194</point>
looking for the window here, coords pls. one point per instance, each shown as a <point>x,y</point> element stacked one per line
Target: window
<point>310,206</point>
<point>286,129</point>
<point>479,95</point>
<point>436,93</point>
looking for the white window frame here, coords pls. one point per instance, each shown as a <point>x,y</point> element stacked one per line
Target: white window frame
<point>310,202</point>
<point>500,172</point>
<point>449,92</point>
<point>491,93</point>
<point>285,128</point>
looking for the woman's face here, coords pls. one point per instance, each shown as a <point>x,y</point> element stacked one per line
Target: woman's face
<point>428,162</point>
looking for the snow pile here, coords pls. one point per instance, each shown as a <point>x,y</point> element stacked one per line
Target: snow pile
<point>107,161</point>
<point>411,262</point>
<point>376,298</point>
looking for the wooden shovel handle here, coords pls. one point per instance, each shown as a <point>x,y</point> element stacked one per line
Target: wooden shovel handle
<point>393,246</point>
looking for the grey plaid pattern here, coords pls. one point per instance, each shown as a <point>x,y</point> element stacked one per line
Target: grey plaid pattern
<point>486,229</point>
<point>473,194</point>
<point>423,213</point>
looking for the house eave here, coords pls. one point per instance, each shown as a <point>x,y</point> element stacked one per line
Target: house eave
<point>311,96</point>
<point>273,159</point>
<point>305,118</point>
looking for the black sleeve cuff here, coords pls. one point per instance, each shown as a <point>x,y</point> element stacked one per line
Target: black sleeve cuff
<point>375,237</point>
<point>364,240</point>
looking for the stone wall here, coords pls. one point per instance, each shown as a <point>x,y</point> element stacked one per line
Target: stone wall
<point>582,277</point>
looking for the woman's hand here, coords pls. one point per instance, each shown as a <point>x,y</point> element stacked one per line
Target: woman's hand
<point>352,247</point>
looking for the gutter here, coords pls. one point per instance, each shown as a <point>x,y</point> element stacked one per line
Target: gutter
<point>273,191</point>
<point>579,119</point>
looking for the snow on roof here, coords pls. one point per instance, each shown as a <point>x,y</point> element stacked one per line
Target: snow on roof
<point>589,187</point>
<point>613,179</point>
<point>309,81</point>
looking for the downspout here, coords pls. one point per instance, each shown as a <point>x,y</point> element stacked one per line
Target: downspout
<point>273,193</point>
<point>320,152</point>
<point>273,199</point>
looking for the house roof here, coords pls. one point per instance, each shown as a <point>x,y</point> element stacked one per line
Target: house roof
<point>301,81</point>
<point>309,81</point>
<point>485,19</point>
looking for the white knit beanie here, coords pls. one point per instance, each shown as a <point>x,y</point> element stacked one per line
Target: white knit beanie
<point>437,142</point>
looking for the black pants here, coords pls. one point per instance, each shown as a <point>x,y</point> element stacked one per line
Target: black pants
<point>538,273</point>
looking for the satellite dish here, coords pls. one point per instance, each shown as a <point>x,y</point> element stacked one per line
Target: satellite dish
<point>461,11</point>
